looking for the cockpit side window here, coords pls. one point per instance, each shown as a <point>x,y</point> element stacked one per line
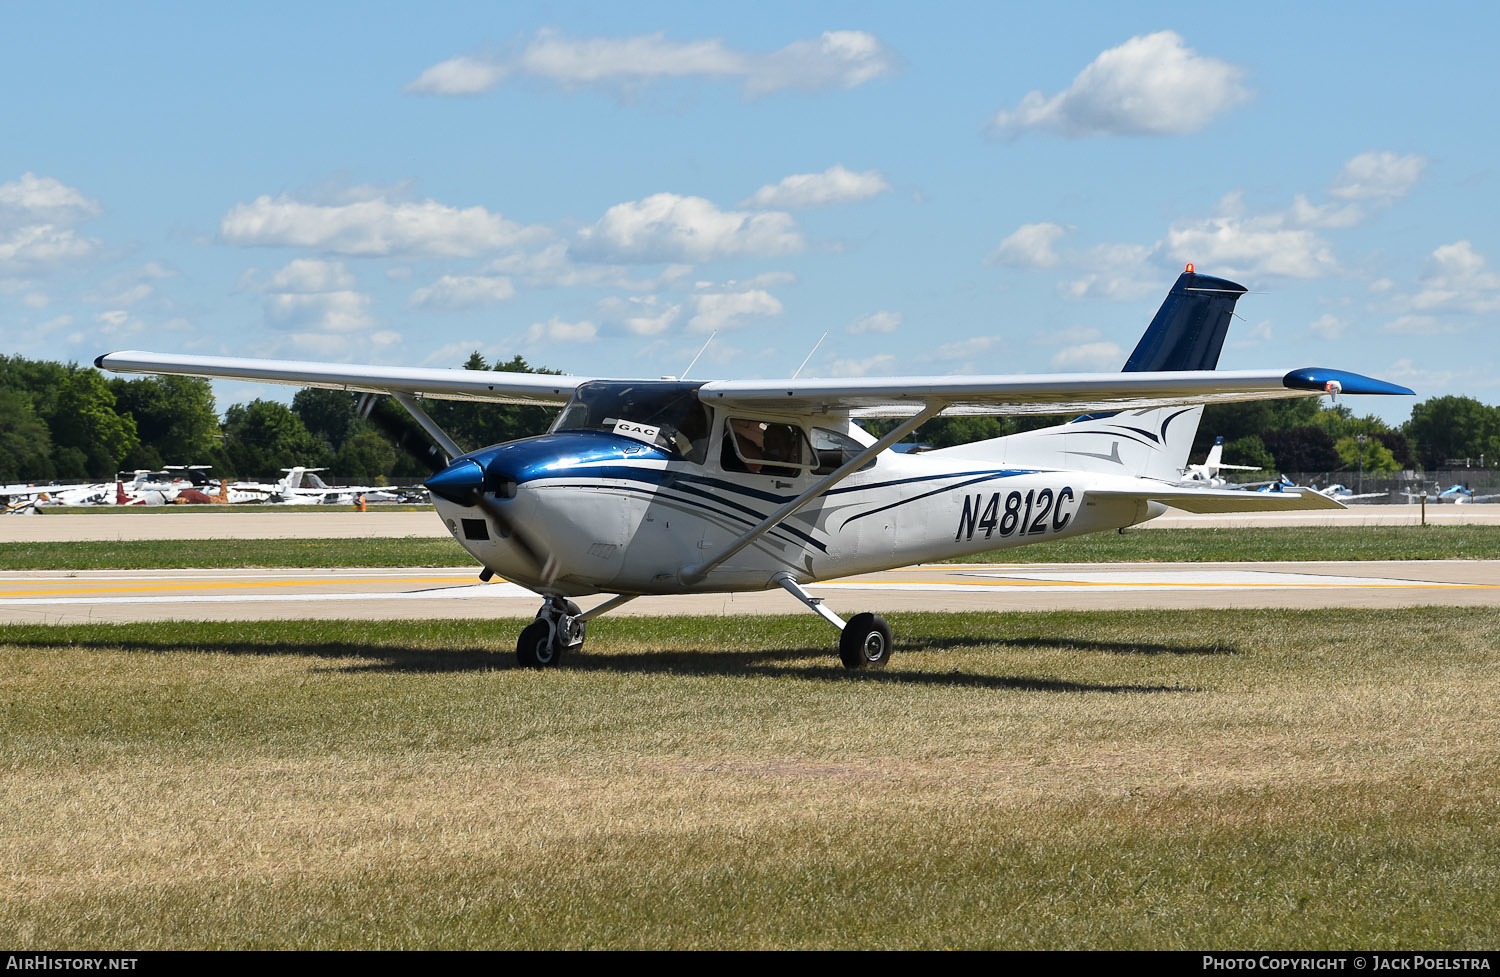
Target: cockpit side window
<point>834,450</point>
<point>765,448</point>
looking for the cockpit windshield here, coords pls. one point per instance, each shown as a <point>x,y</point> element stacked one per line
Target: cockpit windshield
<point>664,413</point>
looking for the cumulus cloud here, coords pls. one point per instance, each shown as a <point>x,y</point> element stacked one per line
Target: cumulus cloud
<point>643,315</point>
<point>554,267</point>
<point>310,275</point>
<point>1330,215</point>
<point>768,279</point>
<point>879,365</point>
<point>460,75</point>
<point>883,322</point>
<point>557,330</point>
<point>37,216</point>
<point>463,291</point>
<point>835,185</point>
<point>1328,326</point>
<point>834,59</point>
<point>315,304</point>
<point>43,200</point>
<point>967,349</point>
<point>1232,243</point>
<point>1089,358</point>
<point>1457,278</point>
<point>729,310</point>
<point>1150,85</point>
<point>1380,176</point>
<point>376,226</point>
<point>1029,246</point>
<point>1121,272</point>
<point>668,227</point>
<point>341,311</point>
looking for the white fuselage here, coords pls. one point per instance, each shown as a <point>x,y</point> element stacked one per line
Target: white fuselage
<point>632,526</point>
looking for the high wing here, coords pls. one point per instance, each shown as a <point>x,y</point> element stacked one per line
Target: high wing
<point>489,385</point>
<point>1057,393</point>
<point>863,397</point>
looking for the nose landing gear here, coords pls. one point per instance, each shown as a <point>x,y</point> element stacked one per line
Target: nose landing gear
<point>558,628</point>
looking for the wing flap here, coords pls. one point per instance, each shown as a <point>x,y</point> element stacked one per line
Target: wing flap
<point>486,385</point>
<point>1223,500</point>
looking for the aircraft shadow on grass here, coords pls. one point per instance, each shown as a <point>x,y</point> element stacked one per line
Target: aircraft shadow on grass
<point>690,662</point>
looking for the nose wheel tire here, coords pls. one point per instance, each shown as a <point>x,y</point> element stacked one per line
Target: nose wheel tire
<point>865,642</point>
<point>536,647</point>
<point>555,630</point>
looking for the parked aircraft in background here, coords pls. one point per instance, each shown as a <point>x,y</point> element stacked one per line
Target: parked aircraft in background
<point>671,486</point>
<point>1208,472</point>
<point>27,498</point>
<point>302,486</point>
<point>1346,494</point>
<point>1455,493</point>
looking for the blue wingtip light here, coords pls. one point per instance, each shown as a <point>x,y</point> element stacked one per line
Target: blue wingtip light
<point>1320,378</point>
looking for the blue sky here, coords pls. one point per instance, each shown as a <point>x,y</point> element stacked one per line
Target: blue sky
<point>983,188</point>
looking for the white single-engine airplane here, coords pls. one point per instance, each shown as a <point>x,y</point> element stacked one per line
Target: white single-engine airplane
<point>673,486</point>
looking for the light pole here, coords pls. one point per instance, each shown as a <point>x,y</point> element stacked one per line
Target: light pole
<point>1361,438</point>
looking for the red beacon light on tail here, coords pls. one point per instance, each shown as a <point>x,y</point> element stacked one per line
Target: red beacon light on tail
<point>1190,268</point>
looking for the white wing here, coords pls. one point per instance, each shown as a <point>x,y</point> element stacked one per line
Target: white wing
<point>505,388</point>
<point>1055,393</point>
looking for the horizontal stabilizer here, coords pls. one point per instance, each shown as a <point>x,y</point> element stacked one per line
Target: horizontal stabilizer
<point>1223,500</point>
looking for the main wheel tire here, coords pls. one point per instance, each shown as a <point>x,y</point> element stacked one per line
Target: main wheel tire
<point>536,649</point>
<point>866,642</point>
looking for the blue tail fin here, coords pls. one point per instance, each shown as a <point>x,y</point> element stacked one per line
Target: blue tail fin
<point>1187,334</point>
<point>1188,331</point>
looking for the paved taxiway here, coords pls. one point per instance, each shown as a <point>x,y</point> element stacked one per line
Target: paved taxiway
<point>384,594</point>
<point>327,522</point>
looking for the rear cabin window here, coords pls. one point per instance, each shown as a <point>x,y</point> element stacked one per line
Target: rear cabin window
<point>766,448</point>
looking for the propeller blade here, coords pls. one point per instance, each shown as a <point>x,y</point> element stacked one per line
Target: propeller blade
<point>463,482</point>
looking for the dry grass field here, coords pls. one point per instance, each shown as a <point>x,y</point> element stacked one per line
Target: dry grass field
<point>1173,780</point>
<point>1159,545</point>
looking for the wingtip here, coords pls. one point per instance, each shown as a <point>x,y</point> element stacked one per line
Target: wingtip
<point>1319,378</point>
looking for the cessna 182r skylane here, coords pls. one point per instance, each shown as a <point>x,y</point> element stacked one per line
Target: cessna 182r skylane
<point>675,486</point>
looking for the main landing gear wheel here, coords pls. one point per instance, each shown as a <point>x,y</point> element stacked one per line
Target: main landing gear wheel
<point>555,630</point>
<point>865,642</point>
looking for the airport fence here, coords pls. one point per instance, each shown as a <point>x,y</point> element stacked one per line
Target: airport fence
<point>1400,488</point>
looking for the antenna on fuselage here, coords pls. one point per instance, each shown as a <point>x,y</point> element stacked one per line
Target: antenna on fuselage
<point>810,353</point>
<point>700,353</point>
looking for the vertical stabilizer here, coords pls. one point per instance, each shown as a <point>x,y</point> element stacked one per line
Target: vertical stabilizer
<point>1187,333</point>
<point>1189,328</point>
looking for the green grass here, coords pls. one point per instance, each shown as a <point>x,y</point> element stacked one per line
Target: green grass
<point>1124,779</point>
<point>1157,545</point>
<point>1269,544</point>
<point>157,554</point>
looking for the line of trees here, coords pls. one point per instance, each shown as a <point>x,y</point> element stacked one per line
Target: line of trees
<point>65,421</point>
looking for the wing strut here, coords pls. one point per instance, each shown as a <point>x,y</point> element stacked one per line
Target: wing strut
<point>693,574</point>
<point>450,448</point>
